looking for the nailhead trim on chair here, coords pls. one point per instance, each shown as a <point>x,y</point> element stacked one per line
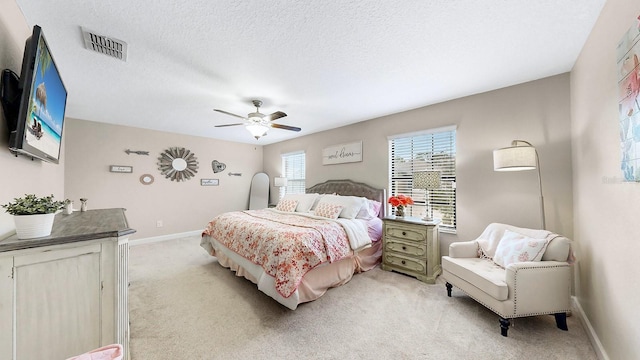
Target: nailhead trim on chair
<point>512,316</point>
<point>515,296</point>
<point>515,300</point>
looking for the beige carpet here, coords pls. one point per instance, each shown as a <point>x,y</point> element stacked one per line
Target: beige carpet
<point>186,306</point>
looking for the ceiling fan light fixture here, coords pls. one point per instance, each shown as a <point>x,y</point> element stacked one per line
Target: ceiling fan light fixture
<point>257,130</point>
<point>258,123</point>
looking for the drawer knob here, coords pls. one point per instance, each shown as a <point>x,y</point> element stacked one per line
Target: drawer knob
<point>404,248</point>
<point>404,233</point>
<point>403,262</point>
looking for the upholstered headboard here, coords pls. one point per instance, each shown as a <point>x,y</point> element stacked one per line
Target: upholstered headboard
<point>352,188</point>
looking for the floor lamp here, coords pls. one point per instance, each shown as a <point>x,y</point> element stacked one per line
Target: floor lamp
<point>426,180</point>
<point>517,158</point>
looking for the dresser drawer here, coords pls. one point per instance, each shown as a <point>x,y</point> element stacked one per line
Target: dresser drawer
<point>412,249</point>
<point>406,233</point>
<point>413,265</point>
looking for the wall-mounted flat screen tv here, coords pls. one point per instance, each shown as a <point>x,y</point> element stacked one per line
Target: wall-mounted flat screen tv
<point>37,128</point>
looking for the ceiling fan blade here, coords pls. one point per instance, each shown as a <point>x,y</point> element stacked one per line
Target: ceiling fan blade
<point>285,127</point>
<point>228,113</point>
<point>275,116</point>
<point>229,125</point>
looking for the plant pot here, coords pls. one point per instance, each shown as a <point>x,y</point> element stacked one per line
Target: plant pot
<point>33,226</point>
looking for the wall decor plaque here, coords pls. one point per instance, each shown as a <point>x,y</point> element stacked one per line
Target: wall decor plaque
<point>209,182</point>
<point>217,166</point>
<point>121,169</point>
<point>344,153</point>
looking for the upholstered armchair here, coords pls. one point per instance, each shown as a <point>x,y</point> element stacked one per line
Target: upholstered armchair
<point>515,272</point>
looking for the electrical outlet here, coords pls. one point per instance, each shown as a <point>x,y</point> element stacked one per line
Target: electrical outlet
<point>159,223</point>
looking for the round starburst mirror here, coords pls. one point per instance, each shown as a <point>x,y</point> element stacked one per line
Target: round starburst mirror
<point>178,164</point>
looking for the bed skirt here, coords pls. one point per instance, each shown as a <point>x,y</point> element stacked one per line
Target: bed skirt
<point>314,284</point>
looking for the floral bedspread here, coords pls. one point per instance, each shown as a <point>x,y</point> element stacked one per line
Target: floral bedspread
<point>285,246</point>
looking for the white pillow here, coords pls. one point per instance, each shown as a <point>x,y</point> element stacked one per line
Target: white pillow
<point>369,210</point>
<point>305,201</point>
<point>352,204</point>
<point>316,201</point>
<point>515,247</point>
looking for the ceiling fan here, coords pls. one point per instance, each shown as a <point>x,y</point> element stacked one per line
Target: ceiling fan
<point>258,123</point>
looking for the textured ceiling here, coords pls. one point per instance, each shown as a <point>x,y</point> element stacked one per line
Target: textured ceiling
<point>326,63</point>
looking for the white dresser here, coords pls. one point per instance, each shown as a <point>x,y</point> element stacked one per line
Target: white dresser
<point>67,293</point>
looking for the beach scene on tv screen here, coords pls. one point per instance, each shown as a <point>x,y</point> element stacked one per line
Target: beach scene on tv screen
<point>46,105</point>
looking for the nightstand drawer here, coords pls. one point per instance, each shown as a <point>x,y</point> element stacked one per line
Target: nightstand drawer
<point>406,233</point>
<point>412,249</point>
<point>405,263</point>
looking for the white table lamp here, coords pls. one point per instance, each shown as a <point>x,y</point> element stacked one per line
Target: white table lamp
<point>426,180</point>
<point>280,181</point>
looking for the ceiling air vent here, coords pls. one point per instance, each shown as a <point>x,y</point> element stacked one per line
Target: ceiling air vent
<point>105,45</point>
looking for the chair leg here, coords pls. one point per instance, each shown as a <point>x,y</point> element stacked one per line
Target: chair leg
<point>504,326</point>
<point>561,321</point>
<point>449,287</point>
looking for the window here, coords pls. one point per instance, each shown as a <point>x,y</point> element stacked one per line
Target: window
<point>432,150</point>
<point>293,168</point>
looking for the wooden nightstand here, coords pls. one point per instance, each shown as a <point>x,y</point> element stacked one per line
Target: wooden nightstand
<point>411,247</point>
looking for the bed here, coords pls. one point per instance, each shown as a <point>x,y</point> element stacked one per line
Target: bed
<point>304,246</point>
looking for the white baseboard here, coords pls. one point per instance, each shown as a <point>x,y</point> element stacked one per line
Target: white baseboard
<point>586,324</point>
<point>155,239</point>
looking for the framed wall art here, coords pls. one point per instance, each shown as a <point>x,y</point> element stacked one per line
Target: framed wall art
<point>628,61</point>
<point>343,153</point>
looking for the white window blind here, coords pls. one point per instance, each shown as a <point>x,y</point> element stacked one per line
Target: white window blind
<point>293,168</point>
<point>426,151</point>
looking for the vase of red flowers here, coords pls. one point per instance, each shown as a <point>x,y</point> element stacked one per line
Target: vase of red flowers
<point>399,202</point>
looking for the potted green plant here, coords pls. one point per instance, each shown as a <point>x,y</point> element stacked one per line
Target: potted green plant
<point>33,215</point>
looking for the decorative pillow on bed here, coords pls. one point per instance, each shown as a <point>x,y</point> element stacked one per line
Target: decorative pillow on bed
<point>351,204</point>
<point>515,247</point>
<point>369,210</point>
<point>287,205</point>
<point>305,201</point>
<point>331,211</point>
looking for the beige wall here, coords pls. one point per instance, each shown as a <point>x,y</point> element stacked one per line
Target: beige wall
<point>20,175</point>
<point>537,111</point>
<point>182,206</point>
<point>606,210</point>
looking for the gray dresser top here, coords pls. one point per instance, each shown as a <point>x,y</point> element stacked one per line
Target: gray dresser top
<point>78,226</point>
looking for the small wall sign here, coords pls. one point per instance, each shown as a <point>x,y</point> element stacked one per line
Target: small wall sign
<point>121,169</point>
<point>344,153</point>
<point>209,182</point>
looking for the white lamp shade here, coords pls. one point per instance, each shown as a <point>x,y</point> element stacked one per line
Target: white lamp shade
<point>426,179</point>
<point>280,182</point>
<point>514,158</point>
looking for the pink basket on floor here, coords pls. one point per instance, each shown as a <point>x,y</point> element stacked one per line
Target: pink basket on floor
<point>109,352</point>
